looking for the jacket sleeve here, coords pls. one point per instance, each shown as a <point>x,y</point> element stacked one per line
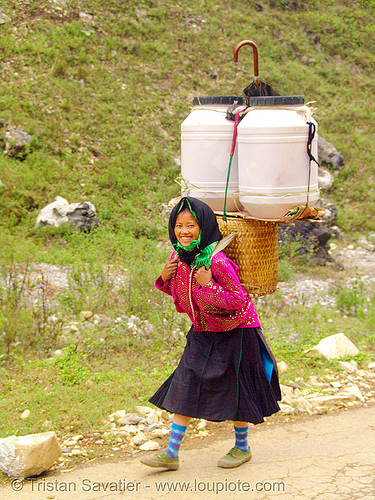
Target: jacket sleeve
<point>224,290</point>
<point>164,286</point>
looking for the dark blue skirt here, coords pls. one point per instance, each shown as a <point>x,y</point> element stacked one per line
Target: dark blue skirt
<point>223,376</point>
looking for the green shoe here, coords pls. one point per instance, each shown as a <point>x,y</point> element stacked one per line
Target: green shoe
<point>234,458</point>
<point>161,459</point>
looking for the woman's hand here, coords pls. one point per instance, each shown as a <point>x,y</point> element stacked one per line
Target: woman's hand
<point>203,275</point>
<point>170,269</point>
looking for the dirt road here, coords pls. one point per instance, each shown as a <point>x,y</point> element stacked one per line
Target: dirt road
<point>330,457</point>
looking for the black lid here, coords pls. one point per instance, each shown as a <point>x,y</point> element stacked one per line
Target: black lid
<point>218,99</point>
<point>277,100</point>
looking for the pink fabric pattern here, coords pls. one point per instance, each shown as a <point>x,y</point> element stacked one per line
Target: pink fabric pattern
<point>220,305</point>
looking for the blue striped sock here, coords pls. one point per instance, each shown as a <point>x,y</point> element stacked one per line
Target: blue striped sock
<point>241,438</point>
<point>175,438</point>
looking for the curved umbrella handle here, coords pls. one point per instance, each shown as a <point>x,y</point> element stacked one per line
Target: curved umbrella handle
<point>255,54</point>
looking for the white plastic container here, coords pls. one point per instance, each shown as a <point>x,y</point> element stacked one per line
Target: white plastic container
<point>206,141</point>
<point>273,160</point>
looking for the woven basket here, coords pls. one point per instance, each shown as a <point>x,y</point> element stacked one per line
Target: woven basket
<point>255,251</point>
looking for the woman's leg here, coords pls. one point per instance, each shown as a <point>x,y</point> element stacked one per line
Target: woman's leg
<point>240,453</point>
<point>240,424</point>
<point>180,422</point>
<point>241,429</point>
<point>168,459</point>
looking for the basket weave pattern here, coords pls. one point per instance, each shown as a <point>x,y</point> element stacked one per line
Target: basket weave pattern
<point>255,251</point>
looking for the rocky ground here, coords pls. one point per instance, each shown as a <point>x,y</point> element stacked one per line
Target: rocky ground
<point>146,430</point>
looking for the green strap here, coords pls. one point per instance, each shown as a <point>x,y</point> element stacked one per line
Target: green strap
<point>226,188</point>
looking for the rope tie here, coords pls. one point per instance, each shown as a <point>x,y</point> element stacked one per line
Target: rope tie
<point>311,135</point>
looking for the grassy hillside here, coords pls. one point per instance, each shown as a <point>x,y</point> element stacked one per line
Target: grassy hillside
<point>103,86</point>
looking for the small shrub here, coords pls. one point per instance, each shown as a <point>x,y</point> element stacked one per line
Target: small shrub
<point>285,270</point>
<point>27,316</point>
<point>351,300</point>
<point>71,366</point>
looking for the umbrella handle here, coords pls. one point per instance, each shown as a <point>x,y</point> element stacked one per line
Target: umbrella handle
<point>255,54</point>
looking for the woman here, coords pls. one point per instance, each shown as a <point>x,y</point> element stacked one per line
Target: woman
<point>227,371</point>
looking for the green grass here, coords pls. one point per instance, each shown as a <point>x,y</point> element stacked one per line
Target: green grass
<point>74,394</point>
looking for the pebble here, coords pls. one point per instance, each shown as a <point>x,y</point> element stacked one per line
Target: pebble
<point>144,410</point>
<point>138,439</point>
<point>150,446</point>
<point>129,419</point>
<point>282,367</point>
<point>83,315</point>
<point>348,366</point>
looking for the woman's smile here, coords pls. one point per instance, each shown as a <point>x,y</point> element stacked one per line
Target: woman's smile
<point>186,228</point>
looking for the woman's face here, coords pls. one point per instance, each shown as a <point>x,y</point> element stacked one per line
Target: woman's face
<point>186,228</point>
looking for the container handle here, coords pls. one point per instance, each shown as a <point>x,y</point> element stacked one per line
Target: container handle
<point>255,54</point>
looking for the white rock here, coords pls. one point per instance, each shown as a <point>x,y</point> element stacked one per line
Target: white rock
<point>282,367</point>
<point>321,410</point>
<point>54,213</point>
<point>152,417</point>
<point>288,399</point>
<point>150,446</point>
<point>348,367</point>
<point>86,18</point>
<point>25,414</point>
<point>159,433</point>
<point>326,399</point>
<point>30,455</point>
<point>286,409</point>
<point>304,405</point>
<point>334,346</point>
<point>371,366</point>
<point>352,392</point>
<point>144,410</point>
<point>83,315</point>
<point>77,452</point>
<point>336,384</point>
<point>138,439</point>
<point>203,433</point>
<point>365,374</point>
<point>77,438</point>
<point>129,419</point>
<point>286,390</point>
<point>58,212</point>
<point>152,427</point>
<point>118,414</point>
<point>325,178</point>
<point>202,424</point>
<point>123,434</point>
<point>131,430</point>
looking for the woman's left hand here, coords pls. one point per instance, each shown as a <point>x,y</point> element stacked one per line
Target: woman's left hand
<point>203,275</point>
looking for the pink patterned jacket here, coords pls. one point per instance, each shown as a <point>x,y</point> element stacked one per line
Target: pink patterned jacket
<point>220,305</point>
